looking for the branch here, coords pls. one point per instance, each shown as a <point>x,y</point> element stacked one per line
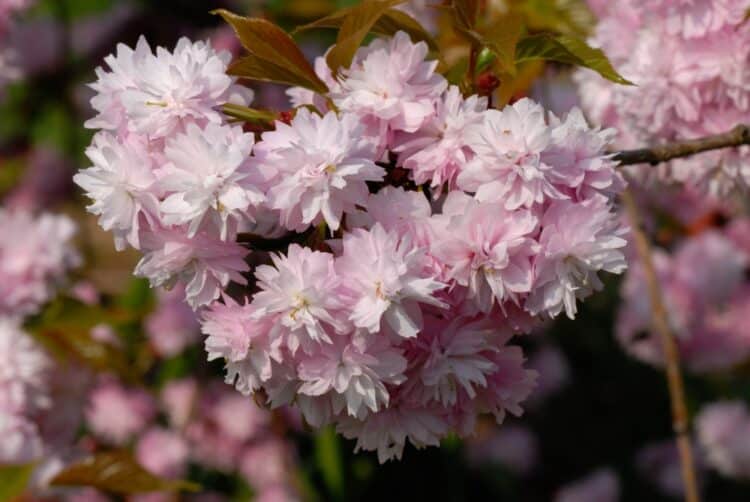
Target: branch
<point>660,322</point>
<point>738,136</point>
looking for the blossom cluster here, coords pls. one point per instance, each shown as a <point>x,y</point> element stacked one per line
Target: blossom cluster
<point>32,267</point>
<point>190,423</point>
<point>39,399</point>
<point>453,228</point>
<point>690,62</point>
<point>23,394</point>
<point>706,305</point>
<point>170,177</point>
<point>40,403</point>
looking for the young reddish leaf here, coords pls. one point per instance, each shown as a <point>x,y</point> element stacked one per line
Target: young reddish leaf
<point>354,28</point>
<point>274,56</point>
<point>254,68</point>
<point>388,24</point>
<point>117,472</point>
<point>64,329</point>
<point>467,12</point>
<point>502,38</point>
<point>567,49</point>
<point>13,480</point>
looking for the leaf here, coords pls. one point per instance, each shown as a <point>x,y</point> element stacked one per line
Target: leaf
<point>502,38</point>
<point>249,114</point>
<point>117,472</point>
<point>570,17</point>
<point>354,28</point>
<point>391,22</point>
<point>13,480</point>
<point>567,49</point>
<point>274,56</point>
<point>64,329</point>
<point>467,12</point>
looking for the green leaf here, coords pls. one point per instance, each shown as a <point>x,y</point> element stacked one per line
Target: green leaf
<point>13,480</point>
<point>570,17</point>
<point>354,28</point>
<point>274,56</point>
<point>500,37</point>
<point>249,114</point>
<point>329,460</point>
<point>387,25</point>
<point>567,49</point>
<point>117,472</point>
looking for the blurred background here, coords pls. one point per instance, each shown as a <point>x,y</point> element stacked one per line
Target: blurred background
<point>599,418</point>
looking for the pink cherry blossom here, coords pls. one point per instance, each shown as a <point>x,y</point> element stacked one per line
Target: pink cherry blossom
<point>387,431</point>
<point>391,82</point>
<point>722,429</point>
<point>488,249</point>
<point>459,357</point>
<point>236,334</point>
<point>577,242</point>
<point>178,400</point>
<point>203,263</point>
<point>24,371</point>
<point>388,280</point>
<point>35,256</point>
<point>266,464</point>
<point>209,178</point>
<point>21,442</point>
<point>687,58</point>
<point>163,452</point>
<point>353,374</point>
<point>121,185</point>
<point>116,413</point>
<point>157,94</point>
<point>323,164</point>
<point>508,165</point>
<point>301,291</point>
<point>437,152</point>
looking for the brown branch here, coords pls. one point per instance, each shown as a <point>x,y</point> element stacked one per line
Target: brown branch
<point>738,136</point>
<point>660,323</point>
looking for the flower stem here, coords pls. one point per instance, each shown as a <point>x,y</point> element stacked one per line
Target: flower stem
<point>660,322</point>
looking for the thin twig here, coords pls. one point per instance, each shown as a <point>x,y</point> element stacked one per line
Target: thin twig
<point>660,322</point>
<point>738,136</point>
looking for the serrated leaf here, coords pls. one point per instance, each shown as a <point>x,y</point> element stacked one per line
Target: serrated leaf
<point>354,28</point>
<point>274,56</point>
<point>13,480</point>
<point>387,25</point>
<point>567,49</point>
<point>117,472</point>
